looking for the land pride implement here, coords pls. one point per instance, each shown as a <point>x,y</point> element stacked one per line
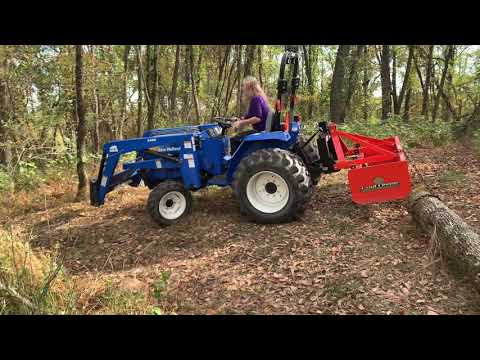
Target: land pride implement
<point>273,173</point>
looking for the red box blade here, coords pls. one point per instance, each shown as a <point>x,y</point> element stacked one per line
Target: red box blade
<point>380,183</point>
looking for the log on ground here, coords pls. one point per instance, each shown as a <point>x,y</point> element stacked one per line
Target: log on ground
<point>458,243</point>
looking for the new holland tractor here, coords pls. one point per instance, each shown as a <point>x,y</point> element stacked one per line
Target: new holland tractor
<point>273,173</point>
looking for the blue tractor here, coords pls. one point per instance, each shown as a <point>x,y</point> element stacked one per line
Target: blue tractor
<point>268,177</point>
<point>272,173</point>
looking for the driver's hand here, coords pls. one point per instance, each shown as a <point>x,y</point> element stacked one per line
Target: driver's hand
<point>236,124</point>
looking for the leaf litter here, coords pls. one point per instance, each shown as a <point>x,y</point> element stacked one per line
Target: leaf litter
<point>340,258</point>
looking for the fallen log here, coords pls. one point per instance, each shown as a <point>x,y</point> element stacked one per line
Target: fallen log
<point>458,243</point>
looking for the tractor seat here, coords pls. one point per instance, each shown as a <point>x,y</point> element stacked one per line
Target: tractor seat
<point>269,123</point>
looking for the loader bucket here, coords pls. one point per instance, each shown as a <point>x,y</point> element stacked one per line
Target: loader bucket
<point>380,183</point>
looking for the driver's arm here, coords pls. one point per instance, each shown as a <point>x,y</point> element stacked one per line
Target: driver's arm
<point>253,116</point>
<point>250,121</point>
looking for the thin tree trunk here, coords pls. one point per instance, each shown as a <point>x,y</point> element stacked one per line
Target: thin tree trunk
<point>96,103</point>
<point>173,93</point>
<point>406,80</point>
<point>192,80</point>
<point>426,85</point>
<point>152,75</point>
<point>5,150</point>
<point>386,83</point>
<point>198,69</point>
<point>307,52</point>
<point>448,58</point>
<point>260,64</point>
<point>140,93</point>
<point>216,100</point>
<point>396,105</point>
<point>123,115</point>
<point>365,83</point>
<point>81,128</point>
<point>230,87</point>
<point>239,78</point>
<point>186,80</point>
<point>96,131</point>
<point>406,109</point>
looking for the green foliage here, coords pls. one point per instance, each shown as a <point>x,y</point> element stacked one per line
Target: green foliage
<point>416,132</point>
<point>115,300</point>
<point>6,181</point>
<point>157,311</point>
<point>160,285</point>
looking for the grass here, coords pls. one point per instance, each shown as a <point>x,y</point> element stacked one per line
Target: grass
<point>452,176</point>
<point>33,282</point>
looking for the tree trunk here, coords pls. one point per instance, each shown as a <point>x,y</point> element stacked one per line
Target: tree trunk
<point>249,60</point>
<point>352,79</point>
<point>337,92</point>
<point>365,83</point>
<point>152,86</point>
<point>230,86</point>
<point>386,83</point>
<point>426,85</point>
<point>192,80</point>
<point>173,92</point>
<point>5,151</point>
<point>96,130</point>
<point>123,114</point>
<point>455,240</point>
<point>96,103</point>
<point>307,61</point>
<point>406,81</point>
<point>221,67</point>
<point>406,109</point>
<point>260,64</point>
<point>140,93</point>
<point>448,58</point>
<point>239,78</point>
<point>396,105</point>
<point>81,128</point>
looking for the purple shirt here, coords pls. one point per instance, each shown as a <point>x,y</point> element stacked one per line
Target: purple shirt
<point>258,108</point>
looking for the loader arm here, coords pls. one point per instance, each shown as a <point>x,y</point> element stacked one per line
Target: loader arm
<point>107,180</point>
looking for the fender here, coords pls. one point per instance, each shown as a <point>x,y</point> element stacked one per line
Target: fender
<point>263,140</point>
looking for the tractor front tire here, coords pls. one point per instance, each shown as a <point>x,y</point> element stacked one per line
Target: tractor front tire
<point>169,202</point>
<point>272,186</point>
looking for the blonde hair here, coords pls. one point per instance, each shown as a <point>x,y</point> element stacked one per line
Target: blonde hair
<point>252,84</point>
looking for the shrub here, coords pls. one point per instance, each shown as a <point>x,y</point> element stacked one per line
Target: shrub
<point>416,132</point>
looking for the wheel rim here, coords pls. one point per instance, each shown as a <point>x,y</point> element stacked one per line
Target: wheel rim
<point>172,205</point>
<point>267,192</point>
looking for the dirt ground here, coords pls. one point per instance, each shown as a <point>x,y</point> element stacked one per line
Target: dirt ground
<point>339,259</point>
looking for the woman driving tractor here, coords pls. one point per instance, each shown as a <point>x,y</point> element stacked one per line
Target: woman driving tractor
<point>257,113</point>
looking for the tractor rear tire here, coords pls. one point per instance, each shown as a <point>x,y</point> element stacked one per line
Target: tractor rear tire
<point>309,155</point>
<point>169,202</point>
<point>272,186</point>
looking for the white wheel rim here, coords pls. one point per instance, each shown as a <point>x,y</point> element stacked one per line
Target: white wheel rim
<point>267,192</point>
<point>172,205</point>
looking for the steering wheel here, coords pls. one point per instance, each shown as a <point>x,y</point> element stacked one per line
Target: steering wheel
<point>224,122</point>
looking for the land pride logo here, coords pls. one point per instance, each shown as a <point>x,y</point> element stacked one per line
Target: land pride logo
<point>379,183</point>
